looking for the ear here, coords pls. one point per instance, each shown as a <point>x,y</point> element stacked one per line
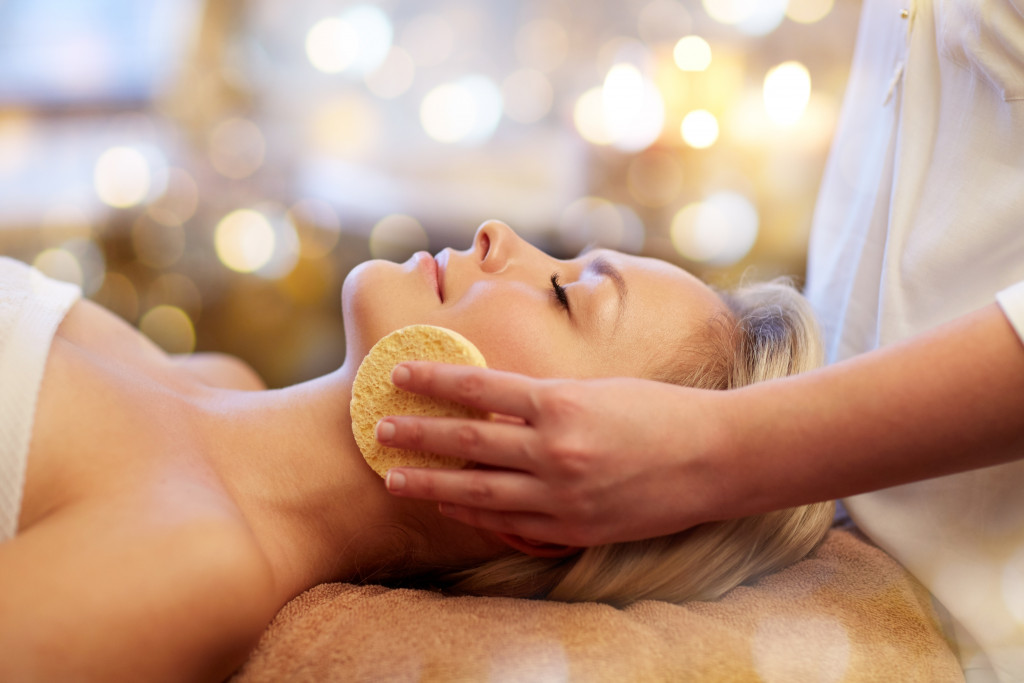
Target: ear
<point>538,548</point>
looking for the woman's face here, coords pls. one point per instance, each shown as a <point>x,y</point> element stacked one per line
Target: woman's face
<point>615,314</point>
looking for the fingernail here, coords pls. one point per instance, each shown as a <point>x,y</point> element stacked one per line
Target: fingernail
<point>395,481</point>
<point>385,431</point>
<point>400,375</point>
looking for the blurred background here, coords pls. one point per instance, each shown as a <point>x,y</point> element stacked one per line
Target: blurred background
<point>211,170</point>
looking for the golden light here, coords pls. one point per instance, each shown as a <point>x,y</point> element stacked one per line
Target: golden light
<point>397,237</point>
<point>170,328</point>
<point>348,126</point>
<point>59,264</point>
<point>808,11</point>
<point>122,177</point>
<point>634,111</point>
<point>244,241</point>
<point>719,231</point>
<point>699,129</point>
<point>730,12</point>
<point>528,95</point>
<point>692,53</point>
<point>588,115</point>
<point>466,111</point>
<point>787,90</point>
<point>236,148</point>
<point>332,45</point>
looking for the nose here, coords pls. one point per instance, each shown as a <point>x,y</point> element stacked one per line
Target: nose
<point>496,245</point>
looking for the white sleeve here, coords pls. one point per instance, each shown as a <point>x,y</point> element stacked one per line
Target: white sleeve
<point>1011,300</point>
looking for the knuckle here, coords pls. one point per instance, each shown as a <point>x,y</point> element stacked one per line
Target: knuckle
<point>469,388</point>
<point>415,437</point>
<point>468,438</point>
<point>479,492</point>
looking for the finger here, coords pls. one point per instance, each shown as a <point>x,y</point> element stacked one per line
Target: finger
<point>487,489</point>
<point>500,444</point>
<point>494,391</point>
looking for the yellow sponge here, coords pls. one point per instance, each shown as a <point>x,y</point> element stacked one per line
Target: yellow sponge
<point>375,397</point>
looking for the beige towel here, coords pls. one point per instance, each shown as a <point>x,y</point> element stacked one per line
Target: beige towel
<point>847,613</point>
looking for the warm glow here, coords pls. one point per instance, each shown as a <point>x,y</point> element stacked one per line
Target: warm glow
<point>60,264</point>
<point>730,12</point>
<point>787,89</point>
<point>122,177</point>
<point>634,112</point>
<point>718,231</point>
<point>170,327</point>
<point>244,241</point>
<point>588,115</point>
<point>700,129</point>
<point>808,11</point>
<point>359,40</point>
<point>692,53</point>
<point>332,45</point>
<point>466,111</point>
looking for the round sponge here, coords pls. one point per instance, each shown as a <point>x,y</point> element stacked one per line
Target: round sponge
<point>375,397</point>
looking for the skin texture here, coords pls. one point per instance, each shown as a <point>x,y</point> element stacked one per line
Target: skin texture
<point>172,507</point>
<point>589,457</point>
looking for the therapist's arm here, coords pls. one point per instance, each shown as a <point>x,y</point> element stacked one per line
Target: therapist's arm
<point>610,460</point>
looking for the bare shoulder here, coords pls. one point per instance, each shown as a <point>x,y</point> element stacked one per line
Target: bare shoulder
<point>142,596</point>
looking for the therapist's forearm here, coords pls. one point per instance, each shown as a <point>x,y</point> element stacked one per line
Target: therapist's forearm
<point>944,402</point>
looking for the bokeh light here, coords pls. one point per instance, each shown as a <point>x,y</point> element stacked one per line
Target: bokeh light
<point>588,115</point>
<point>122,177</point>
<point>597,222</point>
<point>357,41</point>
<point>170,328</point>
<point>59,264</point>
<point>244,240</point>
<point>634,111</point>
<point>179,201</point>
<point>466,111</point>
<point>787,90</point>
<point>719,231</point>
<point>692,53</point>
<point>808,11</point>
<point>397,237</point>
<point>699,129</point>
<point>663,21</point>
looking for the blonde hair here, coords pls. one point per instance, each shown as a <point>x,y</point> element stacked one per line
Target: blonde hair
<point>769,332</point>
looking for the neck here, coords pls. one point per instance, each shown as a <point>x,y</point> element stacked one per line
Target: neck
<point>288,459</point>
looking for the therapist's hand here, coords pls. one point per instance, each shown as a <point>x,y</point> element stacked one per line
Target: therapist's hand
<point>572,462</point>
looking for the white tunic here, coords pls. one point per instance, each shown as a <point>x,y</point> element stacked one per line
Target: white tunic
<point>920,219</point>
<point>31,308</point>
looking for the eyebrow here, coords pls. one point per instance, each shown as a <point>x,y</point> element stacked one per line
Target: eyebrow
<point>603,266</point>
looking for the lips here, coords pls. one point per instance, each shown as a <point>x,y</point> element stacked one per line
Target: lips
<point>433,272</point>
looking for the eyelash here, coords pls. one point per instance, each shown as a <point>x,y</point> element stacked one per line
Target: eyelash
<point>559,292</point>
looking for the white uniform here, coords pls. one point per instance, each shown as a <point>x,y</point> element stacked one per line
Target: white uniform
<point>31,308</point>
<point>920,219</point>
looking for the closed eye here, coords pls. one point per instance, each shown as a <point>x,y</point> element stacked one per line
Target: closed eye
<point>559,292</point>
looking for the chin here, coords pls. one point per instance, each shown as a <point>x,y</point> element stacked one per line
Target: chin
<point>372,305</point>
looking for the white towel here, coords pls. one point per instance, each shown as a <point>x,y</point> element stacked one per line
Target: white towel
<point>31,308</point>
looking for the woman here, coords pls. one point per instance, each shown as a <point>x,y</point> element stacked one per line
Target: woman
<point>170,508</point>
